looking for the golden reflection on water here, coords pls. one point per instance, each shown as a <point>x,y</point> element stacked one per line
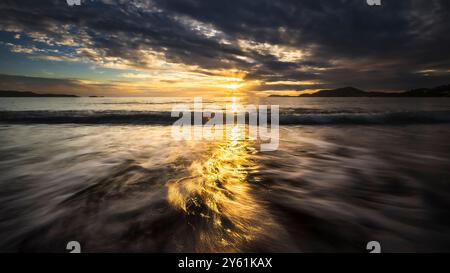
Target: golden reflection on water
<point>217,197</point>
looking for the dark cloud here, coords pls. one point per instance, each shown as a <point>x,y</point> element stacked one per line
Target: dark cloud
<point>344,42</point>
<point>51,85</point>
<point>66,86</point>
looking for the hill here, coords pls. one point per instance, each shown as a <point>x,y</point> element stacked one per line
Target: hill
<point>440,91</point>
<point>19,94</point>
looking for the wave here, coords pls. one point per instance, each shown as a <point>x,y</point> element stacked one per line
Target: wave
<point>164,118</point>
<point>416,117</point>
<point>87,117</point>
<point>140,103</point>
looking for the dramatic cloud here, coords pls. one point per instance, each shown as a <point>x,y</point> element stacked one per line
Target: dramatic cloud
<point>268,45</point>
<point>70,86</point>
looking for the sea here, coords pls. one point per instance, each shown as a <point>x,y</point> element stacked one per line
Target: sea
<point>107,173</point>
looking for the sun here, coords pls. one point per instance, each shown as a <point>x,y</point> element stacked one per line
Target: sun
<point>233,86</point>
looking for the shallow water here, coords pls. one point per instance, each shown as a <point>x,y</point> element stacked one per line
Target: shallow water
<point>132,188</point>
<point>157,111</point>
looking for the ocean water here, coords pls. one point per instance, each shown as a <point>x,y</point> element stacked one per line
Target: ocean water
<point>107,173</point>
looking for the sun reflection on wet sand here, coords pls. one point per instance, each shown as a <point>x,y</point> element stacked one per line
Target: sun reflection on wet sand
<point>217,197</point>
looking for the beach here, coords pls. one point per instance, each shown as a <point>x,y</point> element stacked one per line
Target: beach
<point>107,173</point>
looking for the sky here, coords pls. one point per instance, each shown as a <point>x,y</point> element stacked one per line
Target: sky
<point>218,48</point>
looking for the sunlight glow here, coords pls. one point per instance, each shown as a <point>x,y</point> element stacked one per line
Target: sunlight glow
<point>217,195</point>
<point>234,105</point>
<point>233,86</point>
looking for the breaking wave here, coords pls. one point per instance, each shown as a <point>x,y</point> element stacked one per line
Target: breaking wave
<point>164,118</point>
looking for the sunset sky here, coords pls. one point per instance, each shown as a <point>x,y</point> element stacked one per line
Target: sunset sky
<point>192,47</point>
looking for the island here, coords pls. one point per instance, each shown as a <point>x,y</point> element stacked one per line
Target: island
<point>440,91</point>
<point>27,94</point>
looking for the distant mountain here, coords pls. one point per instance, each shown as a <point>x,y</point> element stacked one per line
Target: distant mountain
<point>9,93</point>
<point>441,91</point>
<point>340,92</point>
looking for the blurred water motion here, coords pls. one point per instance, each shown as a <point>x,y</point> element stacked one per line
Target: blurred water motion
<point>217,196</point>
<point>132,188</point>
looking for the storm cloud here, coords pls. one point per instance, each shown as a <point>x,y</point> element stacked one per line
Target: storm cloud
<point>281,45</point>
